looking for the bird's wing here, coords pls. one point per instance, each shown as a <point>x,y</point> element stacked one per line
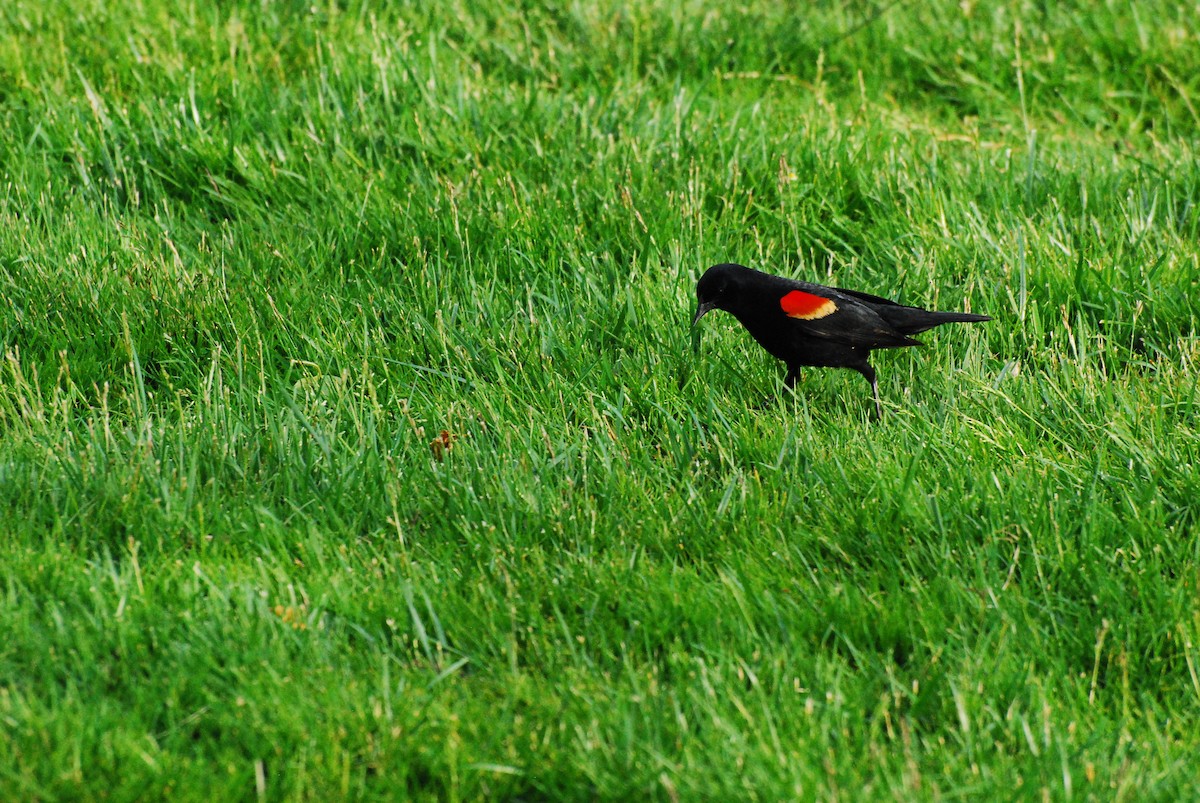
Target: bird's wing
<point>839,316</point>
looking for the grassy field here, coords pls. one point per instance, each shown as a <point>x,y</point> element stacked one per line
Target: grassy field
<point>256,255</point>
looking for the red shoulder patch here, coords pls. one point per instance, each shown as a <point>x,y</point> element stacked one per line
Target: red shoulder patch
<point>806,306</point>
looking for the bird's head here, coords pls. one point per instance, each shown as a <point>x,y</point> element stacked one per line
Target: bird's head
<point>717,288</point>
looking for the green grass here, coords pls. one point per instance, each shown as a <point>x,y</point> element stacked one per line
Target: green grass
<point>255,256</point>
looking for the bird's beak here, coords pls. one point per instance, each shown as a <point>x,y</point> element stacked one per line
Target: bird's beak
<point>703,310</point>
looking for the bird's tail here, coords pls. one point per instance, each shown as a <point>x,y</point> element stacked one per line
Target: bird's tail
<point>912,321</point>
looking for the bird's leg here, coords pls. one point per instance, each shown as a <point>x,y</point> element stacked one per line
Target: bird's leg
<point>789,382</point>
<point>869,372</point>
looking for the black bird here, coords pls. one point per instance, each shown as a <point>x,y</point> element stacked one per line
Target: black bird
<point>808,324</point>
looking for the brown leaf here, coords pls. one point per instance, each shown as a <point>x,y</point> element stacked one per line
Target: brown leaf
<point>442,444</point>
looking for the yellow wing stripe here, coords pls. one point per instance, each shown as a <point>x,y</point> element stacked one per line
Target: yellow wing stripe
<point>806,306</point>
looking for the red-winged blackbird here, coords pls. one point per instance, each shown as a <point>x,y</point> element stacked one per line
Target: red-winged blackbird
<point>808,324</point>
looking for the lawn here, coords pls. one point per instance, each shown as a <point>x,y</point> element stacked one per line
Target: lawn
<point>257,256</point>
